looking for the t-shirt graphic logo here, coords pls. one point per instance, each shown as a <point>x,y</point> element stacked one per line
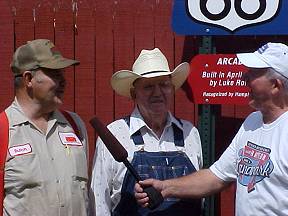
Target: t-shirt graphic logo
<point>254,165</point>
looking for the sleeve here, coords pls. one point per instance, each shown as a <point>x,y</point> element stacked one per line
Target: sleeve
<point>101,180</point>
<point>108,174</point>
<point>225,167</point>
<point>197,140</point>
<point>193,147</point>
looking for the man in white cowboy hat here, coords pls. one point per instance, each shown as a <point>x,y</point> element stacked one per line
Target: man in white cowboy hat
<point>257,157</point>
<point>46,164</point>
<point>158,144</point>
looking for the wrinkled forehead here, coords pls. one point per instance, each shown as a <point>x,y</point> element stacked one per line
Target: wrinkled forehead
<point>255,72</point>
<point>51,72</point>
<point>151,80</point>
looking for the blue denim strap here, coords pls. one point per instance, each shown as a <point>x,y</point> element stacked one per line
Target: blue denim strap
<point>178,134</point>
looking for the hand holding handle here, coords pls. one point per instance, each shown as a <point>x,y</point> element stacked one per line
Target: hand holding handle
<point>120,154</point>
<point>155,197</point>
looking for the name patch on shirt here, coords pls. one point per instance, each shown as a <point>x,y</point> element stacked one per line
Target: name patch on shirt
<point>68,138</point>
<point>20,149</point>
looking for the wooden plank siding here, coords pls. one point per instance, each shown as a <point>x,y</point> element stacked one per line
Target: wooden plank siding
<point>84,29</point>
<point>6,51</point>
<point>65,41</point>
<point>107,36</point>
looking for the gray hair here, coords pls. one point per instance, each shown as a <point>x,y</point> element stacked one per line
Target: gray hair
<point>273,74</point>
<point>18,79</point>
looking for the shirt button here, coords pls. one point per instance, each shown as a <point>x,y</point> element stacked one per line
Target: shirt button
<point>57,181</point>
<point>52,159</point>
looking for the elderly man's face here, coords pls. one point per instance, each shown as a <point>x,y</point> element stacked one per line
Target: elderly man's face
<point>260,88</point>
<point>48,87</point>
<point>153,95</point>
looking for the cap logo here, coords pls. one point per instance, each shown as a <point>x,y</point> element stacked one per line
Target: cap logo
<point>262,49</point>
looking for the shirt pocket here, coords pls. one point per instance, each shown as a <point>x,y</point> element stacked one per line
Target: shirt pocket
<point>79,181</point>
<point>80,164</point>
<point>23,171</point>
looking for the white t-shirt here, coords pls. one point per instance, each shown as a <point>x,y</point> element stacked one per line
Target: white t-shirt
<point>258,159</point>
<point>108,174</point>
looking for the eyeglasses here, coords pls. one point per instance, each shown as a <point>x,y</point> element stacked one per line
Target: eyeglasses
<point>32,72</point>
<point>165,85</point>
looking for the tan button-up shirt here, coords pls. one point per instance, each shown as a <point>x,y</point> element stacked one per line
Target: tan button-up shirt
<point>45,174</point>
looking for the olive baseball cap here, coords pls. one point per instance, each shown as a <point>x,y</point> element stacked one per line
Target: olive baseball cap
<point>38,53</point>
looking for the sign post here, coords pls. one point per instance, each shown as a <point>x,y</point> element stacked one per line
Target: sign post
<point>206,126</point>
<point>214,79</point>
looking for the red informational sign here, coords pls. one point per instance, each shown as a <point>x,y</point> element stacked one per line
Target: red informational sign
<point>217,79</point>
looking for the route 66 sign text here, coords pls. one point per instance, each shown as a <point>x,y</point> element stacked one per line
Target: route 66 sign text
<point>224,17</point>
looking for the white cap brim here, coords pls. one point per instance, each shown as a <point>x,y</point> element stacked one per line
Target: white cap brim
<point>252,60</point>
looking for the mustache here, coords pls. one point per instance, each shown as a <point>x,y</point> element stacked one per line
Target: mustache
<point>156,100</point>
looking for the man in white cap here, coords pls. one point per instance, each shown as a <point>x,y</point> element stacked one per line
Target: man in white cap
<point>46,163</point>
<point>257,157</point>
<point>159,145</point>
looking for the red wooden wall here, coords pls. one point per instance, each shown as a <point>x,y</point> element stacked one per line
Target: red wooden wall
<point>106,36</point>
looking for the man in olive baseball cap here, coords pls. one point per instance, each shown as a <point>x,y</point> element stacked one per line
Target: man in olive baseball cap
<point>46,168</point>
<point>38,53</point>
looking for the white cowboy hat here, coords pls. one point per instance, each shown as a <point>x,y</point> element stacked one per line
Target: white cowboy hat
<point>150,63</point>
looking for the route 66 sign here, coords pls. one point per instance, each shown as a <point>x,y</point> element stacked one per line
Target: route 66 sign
<point>220,17</point>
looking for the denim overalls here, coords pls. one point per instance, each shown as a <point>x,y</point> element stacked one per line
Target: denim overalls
<point>158,165</point>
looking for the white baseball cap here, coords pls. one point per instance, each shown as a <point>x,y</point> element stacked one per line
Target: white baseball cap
<point>274,55</point>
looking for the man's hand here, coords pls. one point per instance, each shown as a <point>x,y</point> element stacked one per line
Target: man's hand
<point>141,196</point>
<point>196,185</point>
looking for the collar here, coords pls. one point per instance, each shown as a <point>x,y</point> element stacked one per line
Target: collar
<point>137,121</point>
<point>18,117</point>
